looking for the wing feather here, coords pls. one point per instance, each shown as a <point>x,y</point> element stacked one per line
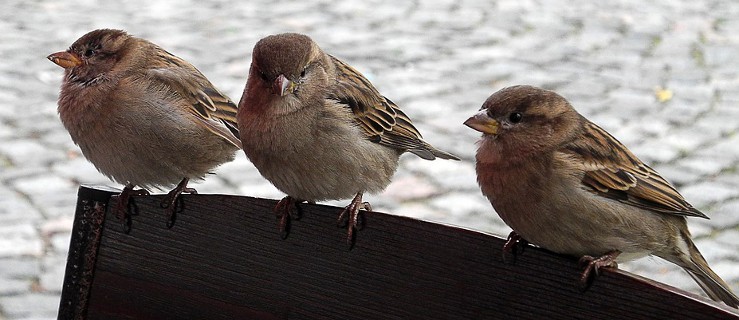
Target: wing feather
<point>612,171</point>
<point>208,106</point>
<point>380,119</point>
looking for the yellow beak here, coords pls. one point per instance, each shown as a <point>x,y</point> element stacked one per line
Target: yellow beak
<point>65,59</point>
<point>483,123</point>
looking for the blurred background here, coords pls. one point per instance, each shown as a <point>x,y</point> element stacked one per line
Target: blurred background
<point>662,76</point>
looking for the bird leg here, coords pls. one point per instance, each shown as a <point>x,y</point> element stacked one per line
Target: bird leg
<point>353,220</point>
<point>286,210</point>
<point>171,201</point>
<point>125,207</point>
<point>593,264</point>
<point>513,247</point>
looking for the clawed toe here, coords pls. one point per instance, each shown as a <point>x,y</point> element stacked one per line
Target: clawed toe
<point>593,265</point>
<point>352,218</point>
<point>514,246</point>
<point>172,203</point>
<point>126,207</point>
<point>286,210</point>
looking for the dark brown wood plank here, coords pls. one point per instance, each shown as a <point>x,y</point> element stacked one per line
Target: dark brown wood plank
<point>223,259</point>
<point>86,233</point>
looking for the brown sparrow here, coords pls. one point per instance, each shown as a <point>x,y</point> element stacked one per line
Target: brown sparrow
<point>563,183</point>
<point>143,116</point>
<point>318,129</point>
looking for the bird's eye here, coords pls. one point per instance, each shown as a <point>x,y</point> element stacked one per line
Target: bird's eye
<point>515,117</point>
<point>263,76</point>
<point>89,52</point>
<point>302,74</point>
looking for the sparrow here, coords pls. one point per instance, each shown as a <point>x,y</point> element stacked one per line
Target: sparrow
<point>317,129</point>
<point>143,116</point>
<point>565,184</point>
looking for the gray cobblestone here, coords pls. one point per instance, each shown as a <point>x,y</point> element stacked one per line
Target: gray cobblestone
<point>411,187</point>
<point>704,194</point>
<point>703,166</point>
<point>699,228</point>
<point>439,60</point>
<point>12,286</point>
<point>677,175</point>
<point>725,215</point>
<point>15,267</point>
<point>30,305</point>
<point>19,240</point>
<point>15,209</point>
<point>52,273</point>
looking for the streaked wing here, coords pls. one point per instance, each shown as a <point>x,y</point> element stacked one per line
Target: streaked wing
<point>379,118</point>
<point>209,107</point>
<point>612,171</point>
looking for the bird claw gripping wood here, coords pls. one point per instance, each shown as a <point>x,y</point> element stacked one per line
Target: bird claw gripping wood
<point>286,210</point>
<point>514,246</point>
<point>354,220</point>
<point>126,207</point>
<point>592,267</point>
<point>172,203</point>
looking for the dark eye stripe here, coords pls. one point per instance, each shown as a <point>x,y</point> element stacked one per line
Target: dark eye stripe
<point>535,118</point>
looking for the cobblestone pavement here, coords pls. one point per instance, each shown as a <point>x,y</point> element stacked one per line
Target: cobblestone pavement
<point>618,63</point>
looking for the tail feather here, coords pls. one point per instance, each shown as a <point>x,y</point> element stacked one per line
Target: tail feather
<point>715,288</point>
<point>429,152</point>
<point>698,269</point>
<point>443,154</point>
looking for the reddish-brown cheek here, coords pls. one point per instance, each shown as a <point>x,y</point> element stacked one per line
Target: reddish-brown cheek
<point>520,144</point>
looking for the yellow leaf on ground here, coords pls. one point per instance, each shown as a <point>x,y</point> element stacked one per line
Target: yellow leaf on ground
<point>662,94</point>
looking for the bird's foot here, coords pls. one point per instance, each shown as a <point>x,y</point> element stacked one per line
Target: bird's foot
<point>286,210</point>
<point>126,207</point>
<point>172,203</point>
<point>352,219</point>
<point>592,266</point>
<point>514,246</point>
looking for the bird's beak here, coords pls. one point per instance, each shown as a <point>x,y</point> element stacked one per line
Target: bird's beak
<point>283,85</point>
<point>65,59</point>
<point>483,123</point>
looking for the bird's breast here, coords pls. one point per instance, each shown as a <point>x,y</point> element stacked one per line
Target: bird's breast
<point>314,157</point>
